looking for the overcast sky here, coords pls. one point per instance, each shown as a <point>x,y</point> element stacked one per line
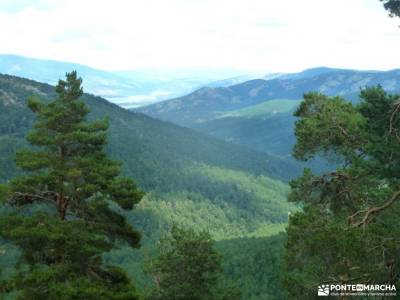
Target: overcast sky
<point>264,35</point>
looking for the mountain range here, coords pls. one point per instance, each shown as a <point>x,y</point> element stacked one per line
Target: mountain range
<point>259,113</point>
<point>126,88</point>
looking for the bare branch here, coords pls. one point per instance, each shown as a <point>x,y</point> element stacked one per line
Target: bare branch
<point>392,118</point>
<point>18,198</point>
<point>369,213</point>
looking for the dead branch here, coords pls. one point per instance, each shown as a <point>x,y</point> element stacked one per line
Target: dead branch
<point>369,213</point>
<point>18,198</point>
<point>395,111</point>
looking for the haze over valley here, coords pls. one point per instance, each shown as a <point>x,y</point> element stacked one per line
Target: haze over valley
<point>128,89</point>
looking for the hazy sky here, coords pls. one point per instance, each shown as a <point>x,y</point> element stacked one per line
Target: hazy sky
<point>279,35</point>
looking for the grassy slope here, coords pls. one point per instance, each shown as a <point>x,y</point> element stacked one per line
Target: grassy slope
<point>262,109</point>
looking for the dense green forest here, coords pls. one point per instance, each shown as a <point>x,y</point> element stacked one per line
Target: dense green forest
<point>191,180</point>
<point>97,202</point>
<point>161,148</point>
<point>240,213</point>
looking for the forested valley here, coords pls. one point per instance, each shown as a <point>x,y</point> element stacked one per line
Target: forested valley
<point>226,190</point>
<point>172,201</point>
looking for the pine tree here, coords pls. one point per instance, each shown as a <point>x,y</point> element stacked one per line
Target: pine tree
<point>392,6</point>
<point>347,232</point>
<point>68,205</point>
<point>188,267</point>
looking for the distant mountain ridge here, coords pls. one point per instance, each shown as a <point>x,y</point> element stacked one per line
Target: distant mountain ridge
<point>126,88</point>
<point>206,104</point>
<point>104,83</point>
<point>312,72</point>
<point>258,113</point>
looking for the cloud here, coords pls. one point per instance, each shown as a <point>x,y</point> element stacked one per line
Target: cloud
<point>286,35</point>
<point>15,6</point>
<point>270,22</point>
<point>71,34</point>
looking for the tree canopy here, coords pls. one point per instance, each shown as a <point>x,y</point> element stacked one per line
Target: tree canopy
<point>349,227</point>
<point>188,267</point>
<point>393,7</point>
<point>65,211</point>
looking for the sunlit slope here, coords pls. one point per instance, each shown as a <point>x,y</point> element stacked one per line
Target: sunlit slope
<point>263,109</point>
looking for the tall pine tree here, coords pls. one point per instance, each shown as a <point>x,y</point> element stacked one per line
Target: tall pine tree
<point>68,205</point>
<point>348,231</point>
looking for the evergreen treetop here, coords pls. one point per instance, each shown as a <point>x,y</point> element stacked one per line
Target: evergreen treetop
<point>69,205</point>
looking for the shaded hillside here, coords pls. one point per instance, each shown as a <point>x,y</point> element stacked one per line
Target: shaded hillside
<point>152,150</point>
<point>267,126</point>
<point>263,132</point>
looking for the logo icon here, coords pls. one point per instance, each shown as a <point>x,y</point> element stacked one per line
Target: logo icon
<point>323,290</point>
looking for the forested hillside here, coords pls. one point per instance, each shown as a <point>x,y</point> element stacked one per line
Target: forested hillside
<point>267,126</point>
<point>150,139</point>
<point>259,113</point>
<point>190,179</point>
